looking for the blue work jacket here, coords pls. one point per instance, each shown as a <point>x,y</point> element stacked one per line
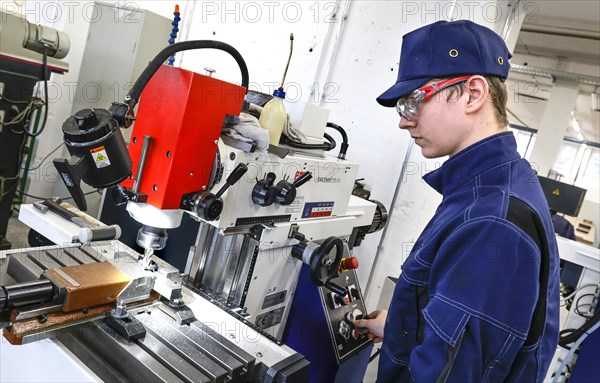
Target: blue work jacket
<point>478,297</point>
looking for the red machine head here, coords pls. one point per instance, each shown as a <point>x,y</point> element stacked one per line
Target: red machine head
<point>183,113</point>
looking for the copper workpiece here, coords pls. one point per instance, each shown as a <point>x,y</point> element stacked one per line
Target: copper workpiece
<point>88,285</point>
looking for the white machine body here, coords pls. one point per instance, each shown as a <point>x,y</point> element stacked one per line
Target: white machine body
<point>326,195</point>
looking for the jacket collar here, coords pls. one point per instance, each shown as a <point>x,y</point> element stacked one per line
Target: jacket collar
<point>473,161</point>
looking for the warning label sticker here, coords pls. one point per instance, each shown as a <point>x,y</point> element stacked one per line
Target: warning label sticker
<point>295,206</point>
<point>100,157</point>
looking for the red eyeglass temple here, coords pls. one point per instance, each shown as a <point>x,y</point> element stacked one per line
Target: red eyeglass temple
<point>432,89</point>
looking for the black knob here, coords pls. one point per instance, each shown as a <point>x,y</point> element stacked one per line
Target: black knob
<point>286,192</point>
<point>212,209</point>
<point>207,206</point>
<point>349,317</point>
<point>339,290</point>
<point>264,193</point>
<point>237,173</point>
<point>86,119</point>
<point>354,293</point>
<point>234,177</point>
<point>341,299</point>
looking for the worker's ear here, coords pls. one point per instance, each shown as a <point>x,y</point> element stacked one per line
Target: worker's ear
<point>477,91</point>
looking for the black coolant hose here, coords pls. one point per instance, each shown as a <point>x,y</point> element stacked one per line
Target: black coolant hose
<point>329,145</point>
<point>568,337</point>
<point>136,91</point>
<point>344,146</point>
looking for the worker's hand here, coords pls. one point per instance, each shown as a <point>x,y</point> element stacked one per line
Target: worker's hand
<point>372,325</point>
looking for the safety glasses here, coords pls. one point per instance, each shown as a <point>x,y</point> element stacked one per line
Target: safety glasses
<point>408,107</point>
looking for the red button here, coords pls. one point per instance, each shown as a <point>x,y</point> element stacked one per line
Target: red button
<point>350,263</point>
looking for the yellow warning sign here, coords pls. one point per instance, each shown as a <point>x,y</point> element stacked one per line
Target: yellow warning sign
<point>556,192</point>
<point>100,157</point>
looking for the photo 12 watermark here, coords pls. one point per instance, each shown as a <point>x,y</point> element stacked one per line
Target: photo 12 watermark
<point>49,12</point>
<point>270,11</point>
<point>489,11</point>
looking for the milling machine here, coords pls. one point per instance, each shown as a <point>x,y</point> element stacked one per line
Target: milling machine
<point>267,220</point>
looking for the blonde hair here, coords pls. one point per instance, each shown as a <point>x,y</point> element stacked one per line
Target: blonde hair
<point>499,96</point>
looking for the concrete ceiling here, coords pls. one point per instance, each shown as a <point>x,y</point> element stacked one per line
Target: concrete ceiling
<point>557,35</point>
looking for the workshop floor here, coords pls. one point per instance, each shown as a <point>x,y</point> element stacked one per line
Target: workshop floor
<point>17,232</point>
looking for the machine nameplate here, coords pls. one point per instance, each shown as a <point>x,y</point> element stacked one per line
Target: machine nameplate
<point>270,318</point>
<point>317,209</point>
<point>274,299</point>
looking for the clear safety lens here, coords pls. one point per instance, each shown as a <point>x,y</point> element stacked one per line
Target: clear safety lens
<point>407,108</point>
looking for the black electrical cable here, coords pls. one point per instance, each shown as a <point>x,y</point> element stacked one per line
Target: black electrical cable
<point>45,77</point>
<point>577,304</point>
<point>136,91</point>
<point>45,158</point>
<point>330,145</point>
<point>344,146</point>
<point>375,355</point>
<point>573,335</point>
<point>567,331</point>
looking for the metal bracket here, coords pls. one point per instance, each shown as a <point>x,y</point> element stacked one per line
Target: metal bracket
<point>182,314</point>
<point>136,290</point>
<point>293,231</point>
<point>127,326</point>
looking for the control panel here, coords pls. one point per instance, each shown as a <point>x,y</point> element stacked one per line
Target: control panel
<point>341,311</point>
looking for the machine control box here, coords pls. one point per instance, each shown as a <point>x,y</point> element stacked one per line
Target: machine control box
<point>341,311</point>
<point>320,327</point>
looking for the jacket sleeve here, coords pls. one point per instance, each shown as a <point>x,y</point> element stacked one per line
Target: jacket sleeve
<point>483,288</point>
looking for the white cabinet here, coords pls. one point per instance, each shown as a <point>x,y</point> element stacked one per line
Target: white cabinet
<point>120,43</point>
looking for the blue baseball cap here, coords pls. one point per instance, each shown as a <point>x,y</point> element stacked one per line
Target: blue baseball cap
<point>446,49</point>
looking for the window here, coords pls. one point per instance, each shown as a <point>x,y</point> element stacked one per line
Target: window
<point>566,158</point>
<point>593,166</point>
<point>525,142</point>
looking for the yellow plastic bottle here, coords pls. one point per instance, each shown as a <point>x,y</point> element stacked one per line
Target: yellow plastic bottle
<point>274,116</point>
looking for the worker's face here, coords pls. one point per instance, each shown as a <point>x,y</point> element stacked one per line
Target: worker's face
<point>439,128</point>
